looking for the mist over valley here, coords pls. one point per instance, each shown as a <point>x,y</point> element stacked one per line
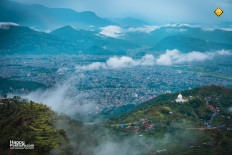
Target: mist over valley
<point>75,83</point>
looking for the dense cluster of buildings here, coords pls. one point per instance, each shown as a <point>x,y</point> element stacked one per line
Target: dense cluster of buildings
<point>110,86</point>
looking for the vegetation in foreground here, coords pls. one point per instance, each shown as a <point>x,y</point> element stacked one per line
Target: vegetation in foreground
<point>200,125</point>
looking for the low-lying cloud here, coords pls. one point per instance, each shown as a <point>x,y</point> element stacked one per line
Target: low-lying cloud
<point>114,144</point>
<point>170,57</point>
<point>7,25</point>
<point>119,62</point>
<point>64,98</point>
<point>227,29</point>
<point>145,29</point>
<point>176,57</point>
<point>111,31</point>
<point>117,31</point>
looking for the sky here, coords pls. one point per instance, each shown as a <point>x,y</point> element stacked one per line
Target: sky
<point>187,11</point>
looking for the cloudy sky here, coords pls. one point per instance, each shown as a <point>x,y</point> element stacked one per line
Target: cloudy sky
<point>151,10</point>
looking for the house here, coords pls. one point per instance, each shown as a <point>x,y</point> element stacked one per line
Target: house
<point>4,99</point>
<point>211,107</point>
<point>229,127</point>
<point>208,143</point>
<point>159,151</point>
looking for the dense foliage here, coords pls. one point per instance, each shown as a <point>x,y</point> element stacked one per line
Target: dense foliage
<point>186,123</point>
<point>35,124</point>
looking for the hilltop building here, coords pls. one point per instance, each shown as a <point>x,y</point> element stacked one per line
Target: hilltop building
<point>180,99</point>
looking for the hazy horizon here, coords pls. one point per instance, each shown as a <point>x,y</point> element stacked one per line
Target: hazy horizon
<point>153,11</point>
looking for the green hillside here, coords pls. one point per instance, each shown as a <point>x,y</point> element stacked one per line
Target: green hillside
<point>200,125</point>
<point>164,108</point>
<point>35,124</point>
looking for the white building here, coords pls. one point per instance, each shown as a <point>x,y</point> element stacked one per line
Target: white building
<point>180,99</point>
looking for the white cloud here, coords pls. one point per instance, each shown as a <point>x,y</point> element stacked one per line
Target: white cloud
<point>145,29</point>
<point>213,29</point>
<point>227,29</point>
<point>116,31</point>
<point>119,62</point>
<point>181,25</point>
<point>112,31</point>
<point>170,57</point>
<point>63,98</point>
<point>124,61</point>
<point>170,25</point>
<point>7,25</point>
<point>224,52</point>
<point>176,57</point>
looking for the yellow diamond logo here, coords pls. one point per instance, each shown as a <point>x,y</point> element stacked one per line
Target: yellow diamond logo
<point>218,12</point>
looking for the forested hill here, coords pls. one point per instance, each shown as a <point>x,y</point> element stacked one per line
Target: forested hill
<point>225,95</point>
<point>200,124</point>
<point>36,124</point>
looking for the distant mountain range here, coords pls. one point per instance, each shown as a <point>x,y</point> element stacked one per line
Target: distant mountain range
<point>94,41</point>
<point>23,40</point>
<point>183,38</point>
<point>69,40</point>
<point>186,44</point>
<point>80,33</point>
<point>34,16</point>
<point>44,18</point>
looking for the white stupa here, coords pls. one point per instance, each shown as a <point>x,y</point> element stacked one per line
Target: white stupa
<point>180,99</point>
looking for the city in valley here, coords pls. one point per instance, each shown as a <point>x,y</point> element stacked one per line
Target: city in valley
<point>115,77</point>
<point>109,87</point>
